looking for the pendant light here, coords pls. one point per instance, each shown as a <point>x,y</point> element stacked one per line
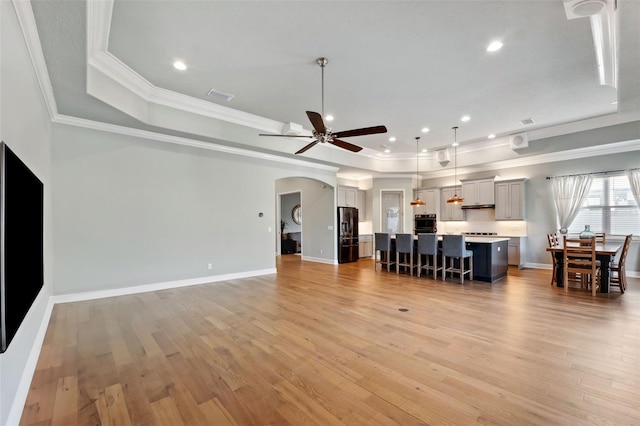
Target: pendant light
<point>417,201</point>
<point>455,199</point>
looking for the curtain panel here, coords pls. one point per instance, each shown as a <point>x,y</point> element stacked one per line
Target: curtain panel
<point>568,195</point>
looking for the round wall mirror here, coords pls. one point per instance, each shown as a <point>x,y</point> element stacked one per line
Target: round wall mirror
<point>296,214</point>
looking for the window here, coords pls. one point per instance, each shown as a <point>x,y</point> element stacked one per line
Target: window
<point>609,207</point>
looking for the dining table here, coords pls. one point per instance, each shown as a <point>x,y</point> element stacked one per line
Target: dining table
<point>604,253</point>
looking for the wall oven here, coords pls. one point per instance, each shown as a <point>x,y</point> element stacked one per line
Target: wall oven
<point>425,224</point>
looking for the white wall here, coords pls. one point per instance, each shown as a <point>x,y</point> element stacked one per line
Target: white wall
<point>26,127</point>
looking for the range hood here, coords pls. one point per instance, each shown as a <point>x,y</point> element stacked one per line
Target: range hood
<point>478,206</point>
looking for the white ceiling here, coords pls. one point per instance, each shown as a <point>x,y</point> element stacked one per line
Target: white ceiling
<point>406,65</point>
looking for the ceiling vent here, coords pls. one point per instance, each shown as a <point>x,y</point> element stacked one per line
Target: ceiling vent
<point>581,8</point>
<point>443,157</point>
<point>220,95</point>
<point>527,121</point>
<point>518,141</point>
<point>292,129</point>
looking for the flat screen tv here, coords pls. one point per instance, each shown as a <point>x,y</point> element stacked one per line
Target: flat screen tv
<point>21,242</point>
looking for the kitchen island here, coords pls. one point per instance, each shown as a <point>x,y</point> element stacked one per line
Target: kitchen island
<point>490,256</point>
<point>490,262</point>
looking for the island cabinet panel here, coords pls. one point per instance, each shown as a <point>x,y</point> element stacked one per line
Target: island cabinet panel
<point>489,260</point>
<point>509,196</point>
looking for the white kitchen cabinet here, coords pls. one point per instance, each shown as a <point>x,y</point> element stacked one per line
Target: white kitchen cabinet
<point>510,200</point>
<point>450,211</point>
<point>347,196</point>
<point>431,197</point>
<point>365,245</point>
<point>478,192</point>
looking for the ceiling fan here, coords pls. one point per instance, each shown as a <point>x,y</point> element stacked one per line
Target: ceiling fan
<point>322,133</point>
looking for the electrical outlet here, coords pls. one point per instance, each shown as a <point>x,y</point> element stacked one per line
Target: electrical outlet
<point>321,251</point>
<point>209,265</point>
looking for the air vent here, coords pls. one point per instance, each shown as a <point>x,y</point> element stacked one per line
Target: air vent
<point>220,95</point>
<point>527,121</point>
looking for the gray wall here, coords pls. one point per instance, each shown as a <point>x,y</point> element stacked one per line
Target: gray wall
<point>131,211</point>
<point>26,127</point>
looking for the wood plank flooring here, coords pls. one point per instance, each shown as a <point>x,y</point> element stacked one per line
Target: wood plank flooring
<point>325,344</point>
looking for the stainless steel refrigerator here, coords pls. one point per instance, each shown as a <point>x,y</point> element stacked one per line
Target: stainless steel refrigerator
<point>348,250</point>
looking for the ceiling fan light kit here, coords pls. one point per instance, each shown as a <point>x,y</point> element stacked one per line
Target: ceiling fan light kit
<point>322,133</point>
<point>456,199</point>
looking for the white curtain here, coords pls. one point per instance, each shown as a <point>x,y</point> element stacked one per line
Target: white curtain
<point>634,182</point>
<point>568,194</point>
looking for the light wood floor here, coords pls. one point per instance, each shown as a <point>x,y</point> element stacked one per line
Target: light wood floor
<point>324,344</point>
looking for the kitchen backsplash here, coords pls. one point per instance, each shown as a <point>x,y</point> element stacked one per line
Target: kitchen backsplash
<point>483,220</point>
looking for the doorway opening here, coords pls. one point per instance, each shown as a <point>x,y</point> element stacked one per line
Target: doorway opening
<point>290,223</point>
<point>392,211</point>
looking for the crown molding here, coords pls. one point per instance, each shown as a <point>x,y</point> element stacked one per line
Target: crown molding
<point>161,137</point>
<point>29,30</point>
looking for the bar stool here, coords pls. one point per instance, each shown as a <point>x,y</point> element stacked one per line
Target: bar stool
<point>453,247</point>
<point>383,245</point>
<point>404,250</point>
<point>428,247</point>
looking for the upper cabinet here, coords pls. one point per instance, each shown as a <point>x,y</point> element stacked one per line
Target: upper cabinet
<point>449,211</point>
<point>431,197</point>
<point>478,192</point>
<point>510,199</point>
<point>347,196</point>
<point>350,196</point>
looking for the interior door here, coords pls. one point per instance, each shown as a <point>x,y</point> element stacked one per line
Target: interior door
<point>392,211</point>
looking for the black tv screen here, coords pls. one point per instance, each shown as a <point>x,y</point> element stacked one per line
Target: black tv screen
<point>21,242</point>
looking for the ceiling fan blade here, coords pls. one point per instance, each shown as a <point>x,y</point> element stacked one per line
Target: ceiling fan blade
<point>346,145</point>
<point>316,121</point>
<point>361,132</point>
<point>287,136</point>
<point>307,147</point>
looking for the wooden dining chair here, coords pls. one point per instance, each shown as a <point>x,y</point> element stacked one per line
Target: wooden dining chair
<point>579,256</point>
<point>618,275</point>
<point>552,239</point>
<point>601,237</point>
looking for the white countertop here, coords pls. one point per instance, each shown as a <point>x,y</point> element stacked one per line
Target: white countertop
<point>487,239</point>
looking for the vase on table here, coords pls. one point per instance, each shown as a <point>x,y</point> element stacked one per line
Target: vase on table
<point>586,234</point>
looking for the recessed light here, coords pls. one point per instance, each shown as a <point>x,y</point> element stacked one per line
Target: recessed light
<point>465,118</point>
<point>491,136</point>
<point>425,129</point>
<point>494,46</point>
<point>424,149</point>
<point>387,150</point>
<point>392,139</point>
<point>329,117</point>
<point>614,103</point>
<point>179,65</point>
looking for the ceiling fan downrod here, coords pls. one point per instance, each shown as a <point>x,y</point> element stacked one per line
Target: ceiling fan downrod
<point>322,62</point>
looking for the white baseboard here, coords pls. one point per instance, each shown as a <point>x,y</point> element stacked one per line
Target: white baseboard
<point>320,260</point>
<point>100,294</point>
<point>17,407</point>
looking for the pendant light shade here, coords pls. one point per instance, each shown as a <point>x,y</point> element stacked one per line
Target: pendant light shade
<point>456,199</point>
<point>417,201</point>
